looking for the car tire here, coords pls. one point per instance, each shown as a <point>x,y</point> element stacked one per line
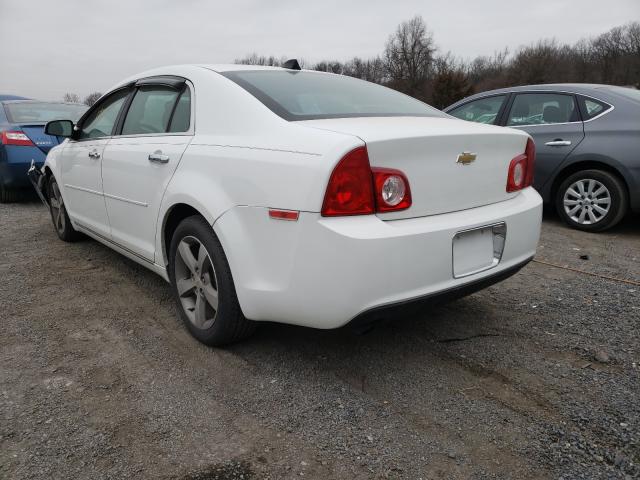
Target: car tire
<point>59,216</point>
<point>203,287</point>
<point>7,195</point>
<point>592,200</point>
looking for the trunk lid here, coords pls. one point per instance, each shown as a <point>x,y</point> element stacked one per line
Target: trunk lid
<point>426,149</point>
<point>36,134</point>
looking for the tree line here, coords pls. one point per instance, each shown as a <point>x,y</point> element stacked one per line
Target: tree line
<point>75,98</point>
<point>412,63</point>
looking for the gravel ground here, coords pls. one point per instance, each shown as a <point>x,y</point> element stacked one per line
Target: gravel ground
<point>536,377</point>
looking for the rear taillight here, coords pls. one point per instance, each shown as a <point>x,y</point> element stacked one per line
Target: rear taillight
<point>350,188</point>
<point>15,137</point>
<point>391,190</point>
<point>357,189</point>
<point>521,169</point>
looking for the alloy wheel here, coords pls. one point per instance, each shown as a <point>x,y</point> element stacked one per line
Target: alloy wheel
<point>57,209</point>
<point>587,201</point>
<point>196,282</point>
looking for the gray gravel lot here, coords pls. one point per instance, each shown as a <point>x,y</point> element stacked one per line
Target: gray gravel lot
<point>536,377</point>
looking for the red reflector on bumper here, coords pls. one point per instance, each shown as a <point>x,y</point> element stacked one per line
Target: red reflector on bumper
<point>284,214</point>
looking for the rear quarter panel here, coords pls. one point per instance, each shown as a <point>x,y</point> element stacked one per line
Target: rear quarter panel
<point>614,140</point>
<point>217,174</point>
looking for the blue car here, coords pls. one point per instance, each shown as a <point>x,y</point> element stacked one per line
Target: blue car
<point>23,139</point>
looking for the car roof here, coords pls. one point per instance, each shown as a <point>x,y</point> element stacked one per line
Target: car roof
<point>572,87</point>
<point>232,67</point>
<point>11,97</point>
<point>187,69</point>
<point>30,100</point>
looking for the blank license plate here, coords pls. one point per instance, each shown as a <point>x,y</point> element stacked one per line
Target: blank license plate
<point>477,250</point>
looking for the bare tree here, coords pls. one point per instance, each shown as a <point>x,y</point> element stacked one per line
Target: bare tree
<point>409,56</point>
<point>329,66</point>
<point>617,54</point>
<point>372,70</point>
<point>487,73</point>
<point>262,60</point>
<point>266,61</point>
<point>450,81</point>
<point>538,63</point>
<point>92,98</point>
<point>71,98</point>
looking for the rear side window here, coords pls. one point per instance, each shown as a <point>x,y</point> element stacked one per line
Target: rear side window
<point>150,111</point>
<point>306,95</point>
<point>542,108</point>
<point>181,119</point>
<point>591,107</point>
<point>484,110</point>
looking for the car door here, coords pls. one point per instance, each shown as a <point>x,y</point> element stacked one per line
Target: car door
<point>81,164</point>
<point>553,121</point>
<point>139,162</point>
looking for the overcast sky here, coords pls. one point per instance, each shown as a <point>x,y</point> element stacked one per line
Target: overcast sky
<point>49,47</point>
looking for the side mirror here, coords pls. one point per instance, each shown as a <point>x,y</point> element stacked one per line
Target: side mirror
<point>59,128</point>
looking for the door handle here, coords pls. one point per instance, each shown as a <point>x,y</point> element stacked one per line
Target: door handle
<point>158,157</point>
<point>559,143</point>
<point>94,154</point>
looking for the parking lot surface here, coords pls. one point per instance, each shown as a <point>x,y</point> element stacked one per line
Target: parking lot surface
<point>535,377</point>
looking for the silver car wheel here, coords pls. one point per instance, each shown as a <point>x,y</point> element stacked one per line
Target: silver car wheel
<point>587,201</point>
<point>57,209</point>
<point>196,282</point>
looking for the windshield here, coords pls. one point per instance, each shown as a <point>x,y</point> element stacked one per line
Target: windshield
<point>313,95</point>
<point>41,112</point>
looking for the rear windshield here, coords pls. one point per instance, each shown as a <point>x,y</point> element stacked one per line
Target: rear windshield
<point>41,112</point>
<point>312,95</point>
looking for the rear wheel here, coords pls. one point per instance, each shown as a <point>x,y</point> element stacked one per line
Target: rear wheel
<point>59,215</point>
<point>592,200</point>
<point>203,287</point>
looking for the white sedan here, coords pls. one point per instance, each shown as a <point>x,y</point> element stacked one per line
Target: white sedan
<point>278,194</point>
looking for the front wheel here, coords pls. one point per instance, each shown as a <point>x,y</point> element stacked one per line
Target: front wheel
<point>59,215</point>
<point>203,287</point>
<point>592,200</point>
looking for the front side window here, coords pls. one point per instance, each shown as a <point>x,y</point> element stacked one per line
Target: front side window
<point>484,110</point>
<point>102,119</point>
<point>313,95</point>
<point>542,108</point>
<point>150,110</point>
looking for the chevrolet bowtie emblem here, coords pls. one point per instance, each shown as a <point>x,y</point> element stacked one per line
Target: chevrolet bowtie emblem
<point>465,158</point>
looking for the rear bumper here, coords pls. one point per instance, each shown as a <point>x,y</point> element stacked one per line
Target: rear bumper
<point>15,162</point>
<point>325,272</point>
<point>416,304</point>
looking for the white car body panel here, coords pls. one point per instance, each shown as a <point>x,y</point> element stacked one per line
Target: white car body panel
<point>241,159</point>
<point>322,272</point>
<point>426,150</point>
<point>134,187</point>
<point>82,184</point>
